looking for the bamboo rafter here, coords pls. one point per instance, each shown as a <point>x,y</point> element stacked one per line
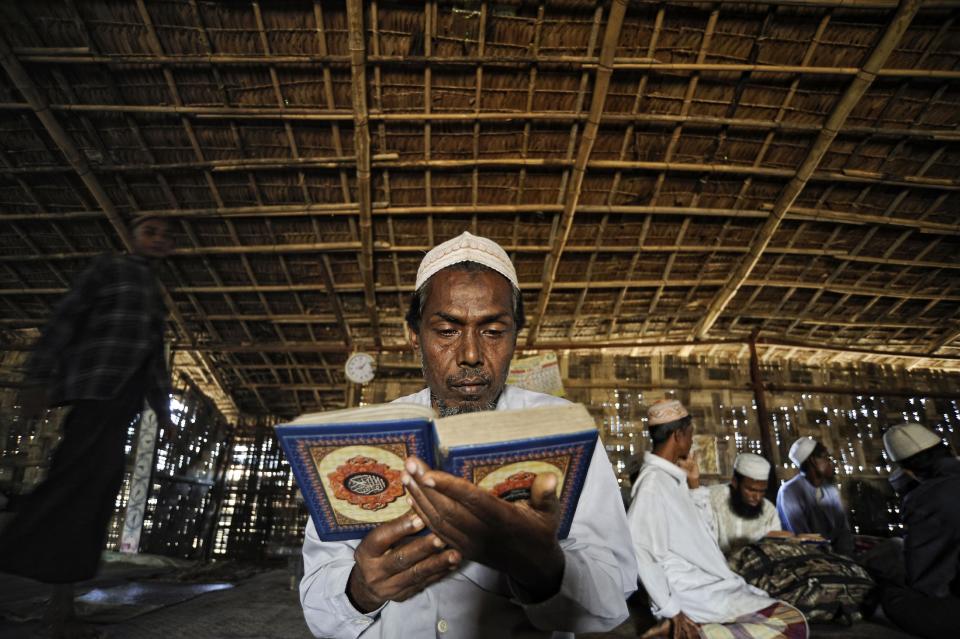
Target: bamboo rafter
<point>898,25</point>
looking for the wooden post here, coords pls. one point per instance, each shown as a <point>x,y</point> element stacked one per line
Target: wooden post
<point>763,418</point>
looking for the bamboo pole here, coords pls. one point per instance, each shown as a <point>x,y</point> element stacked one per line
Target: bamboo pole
<point>334,115</point>
<point>361,141</point>
<point>847,176</point>
<point>601,85</point>
<point>763,418</point>
<point>380,209</point>
<point>419,249</point>
<point>618,345</point>
<point>951,335</point>
<point>576,285</point>
<point>849,390</point>
<point>332,318</point>
<point>851,97</point>
<point>569,62</point>
<point>25,85</point>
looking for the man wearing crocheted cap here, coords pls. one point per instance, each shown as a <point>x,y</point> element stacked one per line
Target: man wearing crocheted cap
<point>691,589</point>
<point>488,568</point>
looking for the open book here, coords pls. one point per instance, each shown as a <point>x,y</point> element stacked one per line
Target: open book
<point>348,463</point>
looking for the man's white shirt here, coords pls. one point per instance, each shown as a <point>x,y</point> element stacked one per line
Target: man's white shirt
<point>678,559</point>
<point>730,529</point>
<point>477,601</point>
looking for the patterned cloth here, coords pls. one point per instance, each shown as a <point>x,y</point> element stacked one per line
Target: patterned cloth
<point>779,621</point>
<point>106,328</point>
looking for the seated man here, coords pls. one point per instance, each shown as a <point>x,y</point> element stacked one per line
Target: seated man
<point>686,577</point>
<point>488,568</point>
<point>738,513</point>
<point>929,604</point>
<point>810,502</point>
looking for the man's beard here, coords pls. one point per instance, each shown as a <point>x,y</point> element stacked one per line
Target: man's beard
<point>464,407</point>
<point>741,508</point>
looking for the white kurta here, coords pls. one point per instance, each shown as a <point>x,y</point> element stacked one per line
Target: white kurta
<point>678,559</point>
<point>477,601</point>
<point>730,529</point>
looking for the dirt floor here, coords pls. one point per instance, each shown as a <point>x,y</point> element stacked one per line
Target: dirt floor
<point>166,600</point>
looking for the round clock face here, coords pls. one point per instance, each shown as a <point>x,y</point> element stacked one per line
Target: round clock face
<point>360,368</point>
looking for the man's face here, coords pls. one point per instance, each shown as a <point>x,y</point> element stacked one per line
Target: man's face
<point>466,339</point>
<point>822,462</point>
<point>746,496</point>
<point>685,441</point>
<point>751,490</point>
<point>152,239</point>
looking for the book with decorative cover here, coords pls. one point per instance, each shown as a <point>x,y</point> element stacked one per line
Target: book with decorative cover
<point>348,463</point>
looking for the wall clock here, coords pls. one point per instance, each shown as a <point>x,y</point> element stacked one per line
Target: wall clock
<point>360,368</point>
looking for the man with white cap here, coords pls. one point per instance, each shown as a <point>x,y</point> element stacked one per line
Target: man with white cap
<point>474,575</point>
<point>809,503</point>
<point>691,589</point>
<point>738,512</point>
<point>928,604</point>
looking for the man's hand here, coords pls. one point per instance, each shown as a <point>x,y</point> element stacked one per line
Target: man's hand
<point>391,568</point>
<point>682,627</point>
<point>679,627</point>
<point>690,466</point>
<point>518,539</point>
<point>33,401</point>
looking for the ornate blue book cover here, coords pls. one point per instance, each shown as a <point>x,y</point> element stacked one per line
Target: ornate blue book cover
<point>349,463</point>
<point>507,469</point>
<point>349,472</point>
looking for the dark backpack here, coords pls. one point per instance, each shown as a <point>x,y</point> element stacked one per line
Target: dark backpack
<point>824,586</point>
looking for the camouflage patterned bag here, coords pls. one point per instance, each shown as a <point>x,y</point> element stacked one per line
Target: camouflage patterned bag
<point>825,586</point>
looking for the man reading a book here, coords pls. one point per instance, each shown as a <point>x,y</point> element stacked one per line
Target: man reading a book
<point>488,567</point>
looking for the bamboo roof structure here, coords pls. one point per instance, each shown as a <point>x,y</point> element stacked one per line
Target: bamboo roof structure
<point>681,173</point>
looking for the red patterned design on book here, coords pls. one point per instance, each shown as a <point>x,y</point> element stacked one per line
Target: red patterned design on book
<point>366,483</point>
<point>516,487</point>
<point>329,516</point>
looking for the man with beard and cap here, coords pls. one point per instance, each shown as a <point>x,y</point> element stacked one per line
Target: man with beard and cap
<point>738,512</point>
<point>690,586</point>
<point>487,568</point>
<point>928,603</point>
<point>810,502</point>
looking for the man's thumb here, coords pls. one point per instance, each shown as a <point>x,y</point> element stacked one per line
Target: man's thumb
<point>543,493</point>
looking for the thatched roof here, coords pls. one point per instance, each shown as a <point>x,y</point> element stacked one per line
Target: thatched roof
<point>659,171</point>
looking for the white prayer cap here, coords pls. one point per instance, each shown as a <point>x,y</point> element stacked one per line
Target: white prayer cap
<point>801,449</point>
<point>664,411</point>
<point>906,440</point>
<point>752,466</point>
<point>466,248</point>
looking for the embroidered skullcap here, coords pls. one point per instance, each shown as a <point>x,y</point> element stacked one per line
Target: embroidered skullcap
<point>906,440</point>
<point>466,248</point>
<point>801,449</point>
<point>752,466</point>
<point>664,411</point>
